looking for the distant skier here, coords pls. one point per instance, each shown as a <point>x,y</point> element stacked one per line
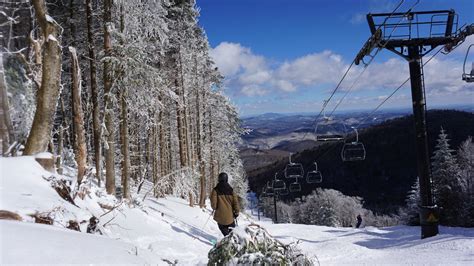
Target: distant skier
<point>225,204</point>
<point>359,221</point>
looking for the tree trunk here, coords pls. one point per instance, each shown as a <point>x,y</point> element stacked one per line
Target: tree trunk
<point>125,145</point>
<point>212,169</point>
<point>181,133</point>
<point>163,154</point>
<point>95,95</point>
<point>78,114</point>
<point>48,93</point>
<point>59,158</point>
<point>62,127</point>
<point>109,121</point>
<point>6,129</point>
<point>155,157</point>
<point>201,163</point>
<point>124,130</point>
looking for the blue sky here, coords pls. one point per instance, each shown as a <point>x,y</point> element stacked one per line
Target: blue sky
<point>287,55</point>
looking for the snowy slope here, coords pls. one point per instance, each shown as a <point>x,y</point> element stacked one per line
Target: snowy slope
<point>27,243</point>
<point>168,230</point>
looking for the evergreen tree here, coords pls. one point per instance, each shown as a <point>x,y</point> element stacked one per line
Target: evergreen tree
<point>465,157</point>
<point>413,202</point>
<point>447,182</point>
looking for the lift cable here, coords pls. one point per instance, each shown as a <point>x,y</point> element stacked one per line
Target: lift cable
<point>393,93</point>
<point>350,66</point>
<point>372,57</point>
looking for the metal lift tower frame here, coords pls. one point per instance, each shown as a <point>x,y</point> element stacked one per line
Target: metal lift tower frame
<point>412,35</point>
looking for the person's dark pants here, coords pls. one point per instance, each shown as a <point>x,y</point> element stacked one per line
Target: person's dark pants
<point>358,223</point>
<point>226,229</point>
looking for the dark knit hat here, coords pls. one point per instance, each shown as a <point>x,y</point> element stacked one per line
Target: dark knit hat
<point>223,177</point>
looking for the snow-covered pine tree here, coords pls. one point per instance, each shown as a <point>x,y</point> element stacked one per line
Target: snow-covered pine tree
<point>413,202</point>
<point>465,158</point>
<point>447,182</point>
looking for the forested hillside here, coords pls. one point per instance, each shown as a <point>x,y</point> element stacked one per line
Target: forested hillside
<point>384,178</point>
<point>121,90</point>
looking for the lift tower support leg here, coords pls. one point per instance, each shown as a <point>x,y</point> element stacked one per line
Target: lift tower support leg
<point>422,153</point>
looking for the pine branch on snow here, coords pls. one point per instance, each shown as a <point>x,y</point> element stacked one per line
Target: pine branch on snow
<point>253,245</point>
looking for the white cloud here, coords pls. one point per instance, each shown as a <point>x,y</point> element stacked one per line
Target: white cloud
<point>251,75</point>
<point>253,90</point>
<point>258,77</point>
<point>284,85</point>
<point>232,58</point>
<point>325,67</point>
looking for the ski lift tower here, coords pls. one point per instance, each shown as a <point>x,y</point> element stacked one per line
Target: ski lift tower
<point>412,35</point>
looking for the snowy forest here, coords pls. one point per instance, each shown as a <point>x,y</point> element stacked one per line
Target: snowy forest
<point>124,91</point>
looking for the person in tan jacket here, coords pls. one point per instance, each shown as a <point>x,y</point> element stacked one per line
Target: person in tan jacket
<point>225,204</point>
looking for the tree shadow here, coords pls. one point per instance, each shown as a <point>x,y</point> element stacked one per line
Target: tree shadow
<point>406,237</point>
<point>302,239</point>
<point>195,233</point>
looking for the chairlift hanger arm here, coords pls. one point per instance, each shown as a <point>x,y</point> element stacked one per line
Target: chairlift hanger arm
<point>459,38</point>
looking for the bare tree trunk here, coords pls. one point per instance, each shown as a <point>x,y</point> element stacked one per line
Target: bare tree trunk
<point>78,114</point>
<point>62,127</point>
<point>202,168</point>
<point>48,93</point>
<point>212,171</point>
<point>59,158</point>
<point>156,156</point>
<point>181,134</point>
<point>124,130</point>
<point>72,33</point>
<point>109,121</point>
<point>163,154</point>
<point>6,129</point>
<point>95,95</point>
<point>125,145</point>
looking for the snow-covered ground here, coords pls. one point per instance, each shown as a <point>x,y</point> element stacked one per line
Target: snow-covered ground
<point>167,230</point>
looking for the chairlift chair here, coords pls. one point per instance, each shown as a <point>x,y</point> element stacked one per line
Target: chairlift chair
<point>468,77</point>
<point>294,170</point>
<point>295,186</point>
<point>269,192</point>
<point>269,185</point>
<point>269,189</point>
<point>314,176</point>
<point>330,129</point>
<point>279,185</point>
<point>283,192</point>
<point>353,151</point>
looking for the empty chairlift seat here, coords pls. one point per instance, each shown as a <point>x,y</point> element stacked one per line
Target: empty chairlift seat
<point>295,187</point>
<point>468,76</point>
<point>353,151</point>
<point>314,176</point>
<point>330,129</point>
<point>279,185</point>
<point>294,170</point>
<point>283,192</point>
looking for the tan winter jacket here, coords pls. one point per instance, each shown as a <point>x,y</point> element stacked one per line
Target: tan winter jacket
<point>224,205</point>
